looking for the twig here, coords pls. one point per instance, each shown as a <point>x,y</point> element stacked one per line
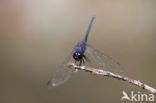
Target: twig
<point>112,75</point>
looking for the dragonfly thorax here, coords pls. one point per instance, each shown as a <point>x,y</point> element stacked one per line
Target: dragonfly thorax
<point>78,56</point>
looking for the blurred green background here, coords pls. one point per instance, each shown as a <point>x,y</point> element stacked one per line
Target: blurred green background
<point>36,35</point>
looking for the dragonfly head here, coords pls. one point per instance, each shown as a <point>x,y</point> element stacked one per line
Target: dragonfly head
<point>78,56</point>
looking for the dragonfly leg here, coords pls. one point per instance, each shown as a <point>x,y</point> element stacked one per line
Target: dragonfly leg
<point>76,70</point>
<point>82,62</point>
<point>78,63</point>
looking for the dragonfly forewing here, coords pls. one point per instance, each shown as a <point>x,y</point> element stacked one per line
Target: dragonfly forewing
<point>62,74</point>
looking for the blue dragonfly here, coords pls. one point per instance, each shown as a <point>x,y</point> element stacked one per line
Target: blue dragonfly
<point>83,54</point>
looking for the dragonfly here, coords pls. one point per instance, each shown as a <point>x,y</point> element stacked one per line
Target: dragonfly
<point>82,54</point>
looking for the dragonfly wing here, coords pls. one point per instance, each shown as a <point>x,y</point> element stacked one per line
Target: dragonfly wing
<point>103,61</point>
<point>62,74</point>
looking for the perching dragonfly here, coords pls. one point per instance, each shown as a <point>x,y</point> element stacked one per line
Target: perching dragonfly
<point>79,53</point>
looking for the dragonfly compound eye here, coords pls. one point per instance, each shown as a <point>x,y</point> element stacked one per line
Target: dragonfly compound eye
<point>77,56</point>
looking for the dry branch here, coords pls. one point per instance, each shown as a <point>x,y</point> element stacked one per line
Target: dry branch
<point>112,75</point>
